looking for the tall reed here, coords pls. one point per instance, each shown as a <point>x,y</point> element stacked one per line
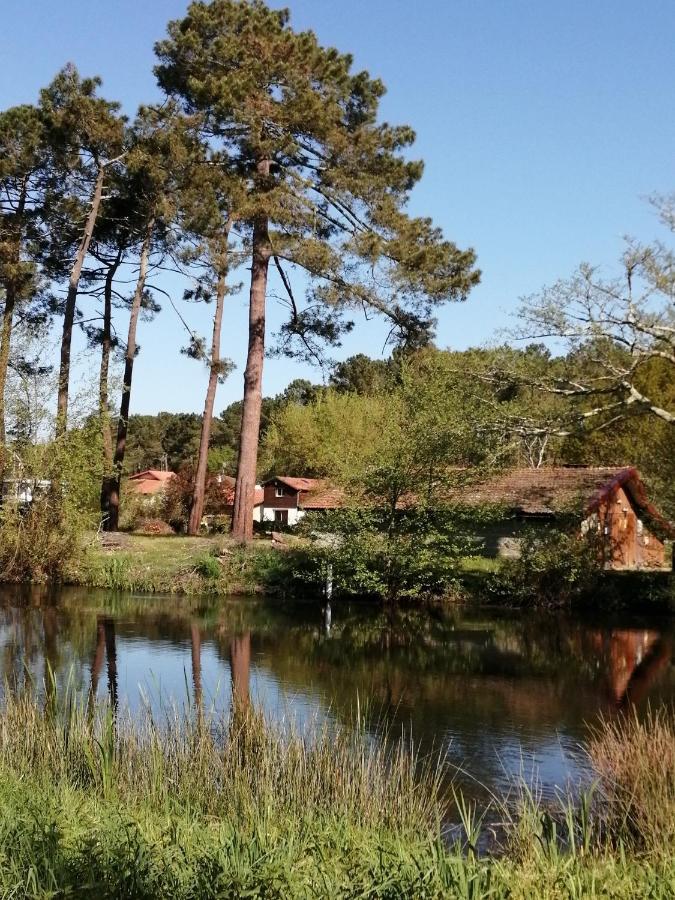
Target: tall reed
<point>190,806</point>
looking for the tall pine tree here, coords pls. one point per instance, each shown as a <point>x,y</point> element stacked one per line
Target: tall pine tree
<point>87,136</point>
<point>326,187</point>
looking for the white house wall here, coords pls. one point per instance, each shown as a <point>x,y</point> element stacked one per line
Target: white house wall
<point>294,515</point>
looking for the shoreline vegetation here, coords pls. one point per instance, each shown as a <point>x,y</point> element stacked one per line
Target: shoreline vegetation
<point>219,566</point>
<point>191,806</point>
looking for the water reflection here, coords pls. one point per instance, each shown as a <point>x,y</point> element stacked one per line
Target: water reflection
<point>501,693</point>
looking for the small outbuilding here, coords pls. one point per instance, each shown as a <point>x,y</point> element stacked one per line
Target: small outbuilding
<point>611,502</point>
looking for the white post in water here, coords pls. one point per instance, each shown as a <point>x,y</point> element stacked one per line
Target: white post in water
<point>329,583</point>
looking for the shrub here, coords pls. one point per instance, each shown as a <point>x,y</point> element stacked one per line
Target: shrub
<point>554,568</point>
<point>208,567</point>
<point>41,537</point>
<point>412,554</point>
<point>635,758</point>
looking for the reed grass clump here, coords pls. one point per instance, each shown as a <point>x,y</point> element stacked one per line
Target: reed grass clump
<point>635,759</point>
<point>188,806</point>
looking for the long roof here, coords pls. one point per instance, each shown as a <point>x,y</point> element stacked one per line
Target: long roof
<point>152,475</point>
<point>151,481</point>
<point>555,490</point>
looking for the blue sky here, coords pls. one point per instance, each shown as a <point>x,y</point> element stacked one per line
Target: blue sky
<point>543,125</point>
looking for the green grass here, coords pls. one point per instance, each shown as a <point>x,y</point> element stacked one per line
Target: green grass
<point>479,564</point>
<point>93,807</point>
<point>177,565</point>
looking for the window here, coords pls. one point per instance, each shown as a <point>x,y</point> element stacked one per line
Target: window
<point>279,492</point>
<point>281,516</point>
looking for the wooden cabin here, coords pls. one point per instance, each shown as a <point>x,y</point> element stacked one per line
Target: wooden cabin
<point>286,499</point>
<point>611,502</point>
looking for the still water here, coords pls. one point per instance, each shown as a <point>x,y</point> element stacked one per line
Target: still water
<point>501,694</point>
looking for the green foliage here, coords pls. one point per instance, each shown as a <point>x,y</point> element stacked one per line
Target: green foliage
<point>331,183</point>
<point>41,540</point>
<point>208,567</point>
<point>554,568</point>
<point>367,552</point>
<point>406,439</point>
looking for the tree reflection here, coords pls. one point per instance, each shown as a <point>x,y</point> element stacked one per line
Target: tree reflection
<point>240,670</point>
<point>97,663</point>
<point>196,657</point>
<point>111,660</point>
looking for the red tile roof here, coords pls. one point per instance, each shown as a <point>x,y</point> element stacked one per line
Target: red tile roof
<point>323,496</point>
<point>227,483</point>
<point>152,475</point>
<point>298,484</point>
<point>151,481</point>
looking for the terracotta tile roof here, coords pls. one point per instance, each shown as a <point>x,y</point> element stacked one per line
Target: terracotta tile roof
<point>551,490</point>
<point>152,475</point>
<point>322,496</point>
<point>298,484</point>
<point>227,483</point>
<point>151,481</point>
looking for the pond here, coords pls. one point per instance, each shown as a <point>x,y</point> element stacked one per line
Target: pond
<point>501,693</point>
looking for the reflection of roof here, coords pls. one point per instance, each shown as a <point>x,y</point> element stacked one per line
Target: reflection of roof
<point>151,481</point>
<point>551,490</point>
<point>315,493</point>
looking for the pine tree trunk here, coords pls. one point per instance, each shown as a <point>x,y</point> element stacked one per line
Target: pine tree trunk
<point>5,343</point>
<point>69,312</point>
<point>244,491</point>
<point>112,501</point>
<point>199,491</point>
<point>104,413</point>
<point>7,325</point>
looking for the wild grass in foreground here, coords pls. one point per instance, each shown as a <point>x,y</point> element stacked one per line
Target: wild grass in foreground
<point>93,807</point>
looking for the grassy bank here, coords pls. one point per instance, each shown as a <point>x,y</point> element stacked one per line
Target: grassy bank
<point>218,566</point>
<point>175,565</point>
<point>230,809</point>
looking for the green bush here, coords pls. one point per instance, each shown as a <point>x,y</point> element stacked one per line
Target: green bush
<point>368,552</point>
<point>554,568</point>
<point>40,540</point>
<point>207,566</point>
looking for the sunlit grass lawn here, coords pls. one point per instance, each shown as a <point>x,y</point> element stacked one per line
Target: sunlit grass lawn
<point>479,564</point>
<point>175,564</point>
